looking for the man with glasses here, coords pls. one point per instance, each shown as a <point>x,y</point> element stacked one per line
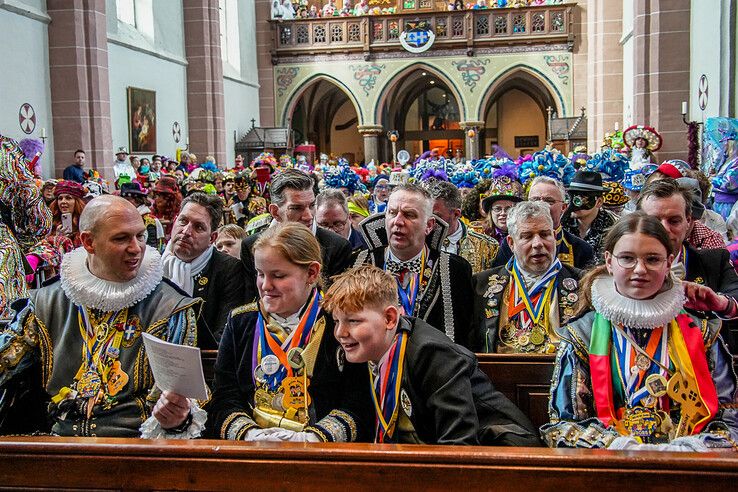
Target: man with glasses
<point>571,250</point>
<point>521,307</point>
<point>380,194</point>
<point>672,205</point>
<point>585,216</point>
<point>333,213</point>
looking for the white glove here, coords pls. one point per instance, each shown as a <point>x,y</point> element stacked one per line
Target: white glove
<point>292,436</point>
<point>266,435</point>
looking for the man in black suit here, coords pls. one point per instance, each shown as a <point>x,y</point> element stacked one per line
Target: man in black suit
<point>406,241</point>
<point>293,200</point>
<point>711,268</point>
<point>192,262</point>
<point>570,249</point>
<point>543,289</point>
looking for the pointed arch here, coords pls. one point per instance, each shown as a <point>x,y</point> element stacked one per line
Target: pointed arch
<point>396,80</point>
<point>300,90</point>
<point>529,80</point>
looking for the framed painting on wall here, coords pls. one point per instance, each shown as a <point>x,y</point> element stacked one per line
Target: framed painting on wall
<point>141,120</point>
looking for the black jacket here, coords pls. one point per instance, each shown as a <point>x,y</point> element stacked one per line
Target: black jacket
<point>451,401</point>
<point>487,323</point>
<point>333,387</point>
<point>336,253</point>
<point>221,285</point>
<point>712,267</point>
<point>583,254</point>
<point>450,281</point>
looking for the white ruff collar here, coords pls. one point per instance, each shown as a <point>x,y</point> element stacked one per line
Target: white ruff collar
<point>85,289</point>
<point>634,313</point>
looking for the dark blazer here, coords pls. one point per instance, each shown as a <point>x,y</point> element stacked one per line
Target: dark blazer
<point>485,338</point>
<point>356,240</point>
<point>451,400</point>
<point>221,286</point>
<point>712,267</point>
<point>453,281</point>
<point>583,253</point>
<point>336,252</point>
<point>333,387</point>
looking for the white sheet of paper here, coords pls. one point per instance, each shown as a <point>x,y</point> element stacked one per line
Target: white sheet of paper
<point>176,368</point>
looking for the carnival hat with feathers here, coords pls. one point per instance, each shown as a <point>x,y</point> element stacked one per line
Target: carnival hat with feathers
<point>504,186</point>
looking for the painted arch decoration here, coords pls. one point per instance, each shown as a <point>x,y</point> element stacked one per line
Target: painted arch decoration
<point>470,78</point>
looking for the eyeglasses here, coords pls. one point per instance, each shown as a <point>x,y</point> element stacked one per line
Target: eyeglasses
<point>381,187</point>
<point>651,262</point>
<point>548,200</point>
<point>339,224</point>
<point>500,210</point>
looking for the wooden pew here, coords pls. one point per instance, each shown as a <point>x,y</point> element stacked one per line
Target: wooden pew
<point>133,464</point>
<point>525,379</point>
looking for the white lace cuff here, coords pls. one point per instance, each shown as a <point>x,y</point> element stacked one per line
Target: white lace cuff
<point>151,428</point>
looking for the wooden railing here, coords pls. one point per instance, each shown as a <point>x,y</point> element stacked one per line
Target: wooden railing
<point>54,463</point>
<point>467,29</point>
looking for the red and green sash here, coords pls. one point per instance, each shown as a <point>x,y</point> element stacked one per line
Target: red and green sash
<point>687,350</point>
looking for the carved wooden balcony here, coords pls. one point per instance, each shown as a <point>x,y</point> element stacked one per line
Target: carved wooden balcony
<point>468,29</point>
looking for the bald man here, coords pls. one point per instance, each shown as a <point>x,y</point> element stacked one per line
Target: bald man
<point>78,341</point>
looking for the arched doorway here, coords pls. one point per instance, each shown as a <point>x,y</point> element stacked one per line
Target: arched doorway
<point>516,115</point>
<point>325,116</point>
<point>425,112</point>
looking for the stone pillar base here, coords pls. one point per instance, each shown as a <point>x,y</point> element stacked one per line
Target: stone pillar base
<point>371,134</point>
<point>472,143</point>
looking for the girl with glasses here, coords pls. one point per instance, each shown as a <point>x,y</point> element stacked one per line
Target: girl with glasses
<point>636,370</point>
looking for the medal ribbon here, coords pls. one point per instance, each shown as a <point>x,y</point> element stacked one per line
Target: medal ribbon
<point>387,396</point>
<point>94,350</point>
<point>535,299</point>
<point>625,358</point>
<point>409,294</point>
<point>269,343</point>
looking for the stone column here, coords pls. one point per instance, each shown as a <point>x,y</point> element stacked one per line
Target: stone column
<point>661,71</point>
<point>472,144</point>
<point>371,134</point>
<point>80,89</point>
<point>205,101</point>
<point>604,69</point>
<point>265,33</point>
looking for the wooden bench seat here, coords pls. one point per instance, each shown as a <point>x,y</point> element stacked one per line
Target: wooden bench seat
<point>134,464</point>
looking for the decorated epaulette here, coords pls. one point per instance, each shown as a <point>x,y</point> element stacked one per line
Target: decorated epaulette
<point>246,308</point>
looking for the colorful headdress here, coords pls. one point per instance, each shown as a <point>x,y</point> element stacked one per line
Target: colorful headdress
<point>611,164</point>
<point>465,177</point>
<point>614,194</point>
<point>634,179</point>
<point>632,133</point>
<point>344,177</point>
<point>504,186</point>
<point>546,163</point>
<point>265,159</point>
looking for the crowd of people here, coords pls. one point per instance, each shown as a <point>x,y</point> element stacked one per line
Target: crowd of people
<point>347,302</point>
